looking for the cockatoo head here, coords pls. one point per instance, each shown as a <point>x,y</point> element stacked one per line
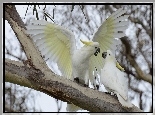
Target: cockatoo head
<point>108,55</point>
<point>91,47</point>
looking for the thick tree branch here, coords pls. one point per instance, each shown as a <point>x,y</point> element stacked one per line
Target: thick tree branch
<point>63,89</point>
<point>12,16</point>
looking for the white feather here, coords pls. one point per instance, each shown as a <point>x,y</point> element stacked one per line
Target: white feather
<point>114,80</point>
<point>38,36</point>
<point>57,44</point>
<point>119,35</point>
<point>39,22</point>
<point>115,13</point>
<point>31,27</point>
<point>123,23</point>
<point>121,28</point>
<point>35,31</point>
<point>121,18</point>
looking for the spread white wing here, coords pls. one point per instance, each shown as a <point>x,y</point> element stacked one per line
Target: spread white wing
<point>112,28</point>
<point>55,43</point>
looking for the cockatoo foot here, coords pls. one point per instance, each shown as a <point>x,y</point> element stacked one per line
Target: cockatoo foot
<point>85,85</point>
<point>76,80</point>
<point>115,95</point>
<point>108,93</point>
<point>97,87</point>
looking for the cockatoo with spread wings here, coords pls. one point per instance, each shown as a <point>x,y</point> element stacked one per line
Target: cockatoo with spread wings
<point>57,44</point>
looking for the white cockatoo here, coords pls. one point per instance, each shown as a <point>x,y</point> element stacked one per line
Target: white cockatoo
<point>57,44</point>
<point>113,79</point>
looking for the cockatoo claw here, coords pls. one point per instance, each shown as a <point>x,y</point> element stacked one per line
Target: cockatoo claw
<point>115,95</point>
<point>97,86</point>
<point>85,85</point>
<point>108,93</point>
<point>76,80</point>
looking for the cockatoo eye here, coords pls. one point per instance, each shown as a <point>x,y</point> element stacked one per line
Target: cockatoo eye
<point>104,55</point>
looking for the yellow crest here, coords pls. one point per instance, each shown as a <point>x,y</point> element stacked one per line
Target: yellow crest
<point>86,42</point>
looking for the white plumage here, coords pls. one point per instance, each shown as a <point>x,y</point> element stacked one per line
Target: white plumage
<point>114,80</point>
<point>57,44</point>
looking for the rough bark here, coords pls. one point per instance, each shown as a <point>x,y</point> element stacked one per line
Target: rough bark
<point>63,89</point>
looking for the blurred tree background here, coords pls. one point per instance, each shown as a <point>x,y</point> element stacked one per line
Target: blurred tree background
<point>135,53</point>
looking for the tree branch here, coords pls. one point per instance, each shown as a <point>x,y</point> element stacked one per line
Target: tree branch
<point>140,73</point>
<point>32,53</point>
<point>63,89</point>
<point>137,20</point>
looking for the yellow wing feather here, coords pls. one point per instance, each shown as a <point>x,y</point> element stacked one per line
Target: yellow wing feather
<point>55,43</point>
<point>58,44</point>
<point>112,28</point>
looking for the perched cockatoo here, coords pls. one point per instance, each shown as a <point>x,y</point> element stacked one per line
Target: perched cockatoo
<point>57,44</point>
<point>113,79</point>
